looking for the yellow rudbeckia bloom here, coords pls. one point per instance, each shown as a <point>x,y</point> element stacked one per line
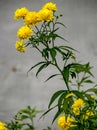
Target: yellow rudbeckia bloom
<point>20,13</point>
<point>50,6</point>
<point>20,46</point>
<point>24,32</point>
<point>88,114</point>
<point>2,126</point>
<point>31,18</point>
<point>78,103</point>
<point>76,110</point>
<point>64,123</point>
<point>46,15</point>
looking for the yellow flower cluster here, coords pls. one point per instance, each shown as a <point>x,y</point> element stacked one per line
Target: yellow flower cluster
<point>46,15</point>
<point>50,6</point>
<point>64,123</point>
<point>31,19</point>
<point>20,46</point>
<point>77,105</point>
<point>20,13</point>
<point>24,32</point>
<point>2,126</point>
<point>88,114</point>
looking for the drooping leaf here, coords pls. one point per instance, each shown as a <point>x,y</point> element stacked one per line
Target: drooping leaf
<point>61,37</point>
<point>55,96</point>
<point>42,62</point>
<point>47,111</point>
<point>92,90</point>
<point>67,48</point>
<point>58,49</point>
<point>56,115</point>
<point>42,67</point>
<point>61,24</point>
<point>51,77</point>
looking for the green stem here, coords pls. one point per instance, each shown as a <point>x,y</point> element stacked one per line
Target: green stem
<point>56,65</point>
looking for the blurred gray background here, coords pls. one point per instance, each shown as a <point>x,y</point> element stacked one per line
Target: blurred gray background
<point>17,90</point>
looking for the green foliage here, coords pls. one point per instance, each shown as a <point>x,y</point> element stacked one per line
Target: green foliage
<point>72,73</point>
<point>24,119</point>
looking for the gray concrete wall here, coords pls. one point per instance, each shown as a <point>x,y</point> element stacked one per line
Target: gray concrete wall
<point>16,89</point>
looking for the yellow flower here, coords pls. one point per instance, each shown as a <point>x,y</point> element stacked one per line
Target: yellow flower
<point>2,126</point>
<point>88,114</point>
<point>65,124</point>
<point>20,46</point>
<point>20,13</point>
<point>50,6</point>
<point>31,18</point>
<point>69,95</point>
<point>46,15</point>
<point>93,97</point>
<point>78,103</point>
<point>24,32</point>
<point>76,111</point>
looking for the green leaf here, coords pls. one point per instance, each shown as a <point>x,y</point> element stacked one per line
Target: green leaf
<point>53,53</point>
<point>48,111</point>
<point>55,96</point>
<point>88,81</point>
<point>35,66</point>
<point>42,67</point>
<point>52,77</point>
<point>60,37</point>
<point>56,115</point>
<point>66,73</point>
<point>77,93</point>
<point>61,24</point>
<point>23,117</point>
<point>45,53</point>
<point>61,100</point>
<point>78,68</point>
<point>67,48</point>
<point>92,90</point>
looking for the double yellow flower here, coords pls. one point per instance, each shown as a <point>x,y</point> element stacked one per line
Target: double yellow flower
<point>32,18</point>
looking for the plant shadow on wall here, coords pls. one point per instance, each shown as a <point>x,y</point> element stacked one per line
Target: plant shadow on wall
<point>76,108</point>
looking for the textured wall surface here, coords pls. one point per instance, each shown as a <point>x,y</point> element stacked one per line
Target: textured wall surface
<point>17,90</point>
